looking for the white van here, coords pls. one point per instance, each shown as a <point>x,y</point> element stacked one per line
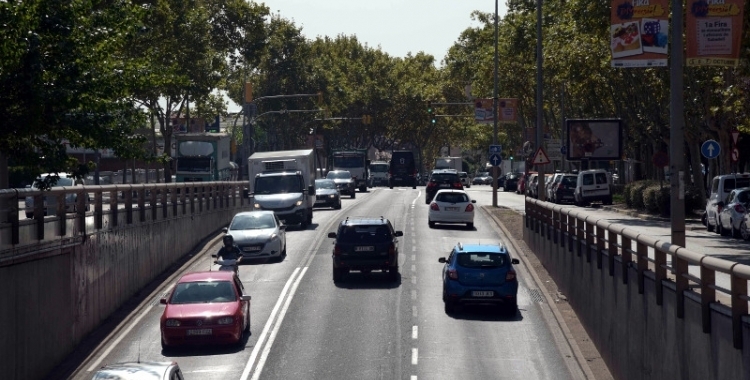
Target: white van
<point>721,186</point>
<point>593,186</point>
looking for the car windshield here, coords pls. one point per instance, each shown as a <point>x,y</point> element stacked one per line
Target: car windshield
<point>379,168</point>
<point>339,175</point>
<point>484,174</point>
<point>444,177</point>
<point>252,222</point>
<point>364,234</point>
<point>347,161</point>
<point>481,260</point>
<point>743,196</point>
<point>569,180</point>
<point>452,197</point>
<point>203,292</point>
<point>324,184</point>
<point>278,184</point>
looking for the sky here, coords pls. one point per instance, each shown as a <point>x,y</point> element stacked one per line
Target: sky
<point>396,26</point>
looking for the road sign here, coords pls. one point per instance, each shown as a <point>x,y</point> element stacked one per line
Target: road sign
<point>496,149</point>
<point>495,159</point>
<point>735,154</point>
<point>540,158</point>
<point>735,136</point>
<point>710,149</point>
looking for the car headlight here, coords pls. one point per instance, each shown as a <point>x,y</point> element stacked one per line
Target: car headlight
<point>298,203</point>
<point>256,206</point>
<point>226,320</point>
<point>172,323</point>
<point>332,196</point>
<point>271,238</point>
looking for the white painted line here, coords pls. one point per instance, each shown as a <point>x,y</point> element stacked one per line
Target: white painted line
<point>413,377</point>
<point>97,363</point>
<point>414,248</point>
<point>267,327</point>
<point>414,356</point>
<point>415,332</point>
<point>276,327</point>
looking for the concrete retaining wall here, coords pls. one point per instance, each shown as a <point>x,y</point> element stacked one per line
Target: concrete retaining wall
<point>637,338</point>
<point>49,301</point>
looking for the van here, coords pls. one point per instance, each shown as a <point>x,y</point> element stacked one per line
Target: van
<point>593,186</point>
<point>721,186</point>
<point>402,169</point>
<point>378,174</point>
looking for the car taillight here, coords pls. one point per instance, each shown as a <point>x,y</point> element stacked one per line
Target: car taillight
<point>469,208</point>
<point>452,274</point>
<point>458,185</point>
<point>560,187</point>
<point>431,184</point>
<point>719,208</point>
<point>392,249</point>
<point>434,206</point>
<point>510,276</point>
<point>739,208</point>
<point>336,250</point>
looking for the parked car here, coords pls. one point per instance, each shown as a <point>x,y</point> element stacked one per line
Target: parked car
<point>140,371</point>
<point>510,182</point>
<point>365,244</point>
<point>344,181</point>
<point>721,186</point>
<point>442,179</point>
<point>732,212</point>
<point>465,180</point>
<point>451,206</point>
<point>205,307</point>
<point>522,182</point>
<point>563,189</point>
<point>50,201</point>
<point>531,186</point>
<point>327,194</point>
<point>483,178</point>
<point>551,183</point>
<point>593,186</point>
<point>258,234</point>
<point>479,274</point>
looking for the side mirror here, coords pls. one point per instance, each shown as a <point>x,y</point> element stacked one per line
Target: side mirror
<point>331,234</point>
<point>224,230</point>
<point>515,261</point>
<point>399,233</point>
<point>163,301</point>
<point>246,298</point>
<point>442,260</point>
<point>214,255</point>
<point>282,227</point>
<point>473,201</point>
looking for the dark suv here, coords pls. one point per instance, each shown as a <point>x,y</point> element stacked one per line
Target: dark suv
<point>402,169</point>
<point>365,244</point>
<point>442,179</point>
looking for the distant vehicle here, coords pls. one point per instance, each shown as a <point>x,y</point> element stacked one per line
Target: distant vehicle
<point>344,181</point>
<point>483,178</point>
<point>465,180</point>
<point>442,179</point>
<point>454,163</point>
<point>327,194</point>
<point>551,182</point>
<point>378,174</point>
<point>365,244</point>
<point>480,274</point>
<point>721,186</point>
<point>732,212</point>
<point>284,182</point>
<point>451,206</point>
<point>592,186</point>
<point>510,182</point>
<point>204,157</point>
<point>205,307</point>
<point>356,163</point>
<point>140,371</point>
<point>50,201</point>
<point>563,189</point>
<point>258,234</point>
<point>402,169</point>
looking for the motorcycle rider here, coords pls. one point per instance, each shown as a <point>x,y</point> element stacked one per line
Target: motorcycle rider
<point>229,251</point>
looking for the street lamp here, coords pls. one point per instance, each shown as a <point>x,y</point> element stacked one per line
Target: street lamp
<point>494,117</point>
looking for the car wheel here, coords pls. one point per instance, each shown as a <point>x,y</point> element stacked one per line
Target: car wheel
<point>511,307</point>
<point>450,307</point>
<point>735,231</point>
<point>709,227</point>
<point>393,273</point>
<point>431,224</point>
<point>354,194</point>
<point>470,226</point>
<point>338,206</point>
<point>704,219</point>
<point>720,228</point>
<point>247,322</point>
<point>338,274</point>
<point>164,345</point>
<point>744,232</point>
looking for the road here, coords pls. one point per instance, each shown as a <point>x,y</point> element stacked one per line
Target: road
<point>306,327</point>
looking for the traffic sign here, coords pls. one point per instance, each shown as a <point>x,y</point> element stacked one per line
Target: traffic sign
<point>735,154</point>
<point>735,136</point>
<point>710,149</point>
<point>540,158</point>
<point>495,159</point>
<point>496,149</point>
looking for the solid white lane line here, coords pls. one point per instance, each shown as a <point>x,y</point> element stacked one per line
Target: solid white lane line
<point>413,377</point>
<point>414,356</point>
<point>97,363</point>
<point>267,327</point>
<point>276,327</point>
<point>414,332</point>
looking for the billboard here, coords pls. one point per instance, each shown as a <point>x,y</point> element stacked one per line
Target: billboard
<point>638,33</point>
<point>484,110</point>
<point>594,139</point>
<point>714,32</point>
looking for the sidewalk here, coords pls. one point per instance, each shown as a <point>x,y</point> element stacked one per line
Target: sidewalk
<point>692,221</point>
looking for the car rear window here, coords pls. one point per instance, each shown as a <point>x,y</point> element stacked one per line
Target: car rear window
<point>569,180</point>
<point>364,234</point>
<point>481,260</point>
<point>444,177</point>
<point>732,183</point>
<point>452,197</point>
<point>601,178</point>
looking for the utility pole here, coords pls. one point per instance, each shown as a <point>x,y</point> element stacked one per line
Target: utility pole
<point>539,98</point>
<point>494,111</point>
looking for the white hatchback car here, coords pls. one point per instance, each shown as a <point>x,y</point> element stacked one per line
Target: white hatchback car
<point>451,206</point>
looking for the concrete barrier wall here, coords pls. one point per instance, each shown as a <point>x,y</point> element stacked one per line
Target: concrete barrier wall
<point>637,338</point>
<point>51,300</point>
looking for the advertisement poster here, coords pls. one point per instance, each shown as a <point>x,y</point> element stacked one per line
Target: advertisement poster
<point>484,111</point>
<point>639,33</point>
<point>714,32</point>
<point>594,139</point>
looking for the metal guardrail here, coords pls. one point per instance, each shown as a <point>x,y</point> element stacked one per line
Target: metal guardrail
<point>577,230</point>
<point>183,198</point>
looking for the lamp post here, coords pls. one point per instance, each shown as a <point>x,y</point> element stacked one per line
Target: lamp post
<point>539,99</point>
<point>494,118</point>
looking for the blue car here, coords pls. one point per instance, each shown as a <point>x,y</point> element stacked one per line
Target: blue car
<point>480,274</point>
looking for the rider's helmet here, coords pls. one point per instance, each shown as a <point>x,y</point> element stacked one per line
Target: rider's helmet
<point>228,240</point>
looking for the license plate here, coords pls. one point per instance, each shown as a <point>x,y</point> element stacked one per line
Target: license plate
<point>320,201</point>
<point>199,332</point>
<point>482,293</point>
<point>397,178</point>
<point>451,209</point>
<point>251,249</point>
<point>364,249</point>
<point>445,185</point>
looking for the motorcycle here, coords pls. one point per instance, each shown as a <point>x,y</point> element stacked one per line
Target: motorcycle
<point>228,265</point>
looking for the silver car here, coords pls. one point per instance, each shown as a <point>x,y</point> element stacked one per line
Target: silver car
<point>258,234</point>
<point>731,214</point>
<point>140,371</point>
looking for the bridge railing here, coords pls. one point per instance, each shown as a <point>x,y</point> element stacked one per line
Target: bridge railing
<point>75,211</point>
<point>585,234</point>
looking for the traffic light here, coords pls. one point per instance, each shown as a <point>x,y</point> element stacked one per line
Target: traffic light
<point>431,113</point>
<point>429,107</point>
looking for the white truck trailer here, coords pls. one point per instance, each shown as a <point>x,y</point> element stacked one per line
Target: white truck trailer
<point>284,182</point>
<point>449,163</point>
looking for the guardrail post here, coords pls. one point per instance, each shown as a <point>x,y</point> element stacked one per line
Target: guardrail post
<point>556,226</point>
<point>98,210</point>
<point>708,295</point>
<point>154,204</point>
<point>142,204</point>
<point>129,205</point>
<point>739,305</point>
<point>201,193</point>
<point>173,196</point>
<point>15,237</point>
<point>571,232</point>
<point>39,211</point>
<point>600,240</point>
<point>61,219</point>
<point>660,271</point>
<point>81,202</point>
<point>589,239</point>
<point>612,240</point>
<point>681,272</point>
<point>113,208</point>
<point>642,252</point>
<point>193,192</point>
<point>580,229</point>
<point>165,193</point>
<point>627,257</point>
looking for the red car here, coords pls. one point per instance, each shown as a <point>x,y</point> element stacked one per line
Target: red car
<point>205,307</point>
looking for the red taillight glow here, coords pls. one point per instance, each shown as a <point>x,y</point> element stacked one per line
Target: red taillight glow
<point>458,185</point>
<point>452,274</point>
<point>434,206</point>
<point>739,208</point>
<point>431,184</point>
<point>469,208</point>
<point>392,250</point>
<point>510,276</point>
<point>336,250</point>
